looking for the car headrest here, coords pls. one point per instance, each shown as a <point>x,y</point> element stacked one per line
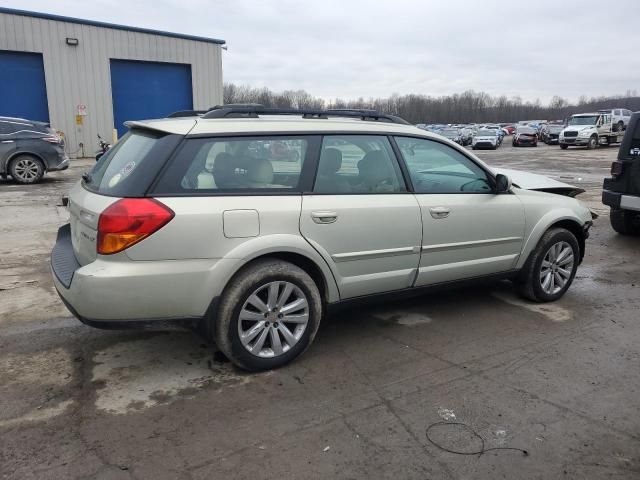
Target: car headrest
<point>224,168</point>
<point>373,168</point>
<point>260,172</point>
<point>330,161</point>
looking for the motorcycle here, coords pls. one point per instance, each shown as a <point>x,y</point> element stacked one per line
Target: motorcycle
<point>103,147</point>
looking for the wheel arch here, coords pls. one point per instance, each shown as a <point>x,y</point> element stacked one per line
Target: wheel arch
<point>552,220</point>
<point>18,153</point>
<point>314,265</point>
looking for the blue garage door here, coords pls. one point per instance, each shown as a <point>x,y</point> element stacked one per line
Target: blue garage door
<point>142,90</point>
<point>23,92</point>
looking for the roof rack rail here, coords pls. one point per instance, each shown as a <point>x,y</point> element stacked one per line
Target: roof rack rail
<point>186,113</point>
<point>255,110</point>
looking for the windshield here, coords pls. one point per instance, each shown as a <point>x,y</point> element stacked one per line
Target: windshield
<point>590,120</point>
<point>486,133</point>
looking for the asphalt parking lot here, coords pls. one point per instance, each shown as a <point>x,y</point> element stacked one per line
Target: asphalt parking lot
<point>561,380</point>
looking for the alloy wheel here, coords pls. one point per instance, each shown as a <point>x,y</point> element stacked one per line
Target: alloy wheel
<point>556,268</point>
<point>26,170</point>
<point>273,319</point>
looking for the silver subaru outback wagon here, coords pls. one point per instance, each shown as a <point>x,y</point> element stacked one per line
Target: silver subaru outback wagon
<point>250,222</point>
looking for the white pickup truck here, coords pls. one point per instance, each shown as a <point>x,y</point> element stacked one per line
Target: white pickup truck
<point>590,130</point>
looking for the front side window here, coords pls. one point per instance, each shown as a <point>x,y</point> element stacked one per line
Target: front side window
<point>438,168</point>
<point>357,164</point>
<point>236,164</point>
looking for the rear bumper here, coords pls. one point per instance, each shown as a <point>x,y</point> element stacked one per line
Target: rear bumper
<point>619,201</point>
<point>63,165</point>
<point>116,292</point>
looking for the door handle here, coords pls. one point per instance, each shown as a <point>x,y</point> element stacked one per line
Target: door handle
<point>439,212</point>
<point>324,217</point>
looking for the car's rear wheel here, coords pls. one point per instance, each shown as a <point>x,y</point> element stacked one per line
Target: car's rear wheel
<point>551,267</point>
<point>26,169</point>
<point>619,127</point>
<point>268,315</point>
<point>625,222</point>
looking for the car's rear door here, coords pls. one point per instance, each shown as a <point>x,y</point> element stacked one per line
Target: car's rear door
<point>360,216</point>
<point>468,231</point>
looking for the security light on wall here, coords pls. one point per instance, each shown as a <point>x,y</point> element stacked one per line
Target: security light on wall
<point>72,41</point>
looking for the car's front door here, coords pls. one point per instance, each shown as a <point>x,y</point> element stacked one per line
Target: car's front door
<point>360,216</point>
<point>468,230</point>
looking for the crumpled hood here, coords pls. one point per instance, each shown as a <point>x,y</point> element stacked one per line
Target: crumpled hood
<point>533,181</point>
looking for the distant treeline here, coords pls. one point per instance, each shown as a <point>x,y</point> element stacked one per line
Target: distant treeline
<point>466,107</point>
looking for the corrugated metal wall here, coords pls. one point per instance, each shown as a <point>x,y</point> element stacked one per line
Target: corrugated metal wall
<point>80,75</point>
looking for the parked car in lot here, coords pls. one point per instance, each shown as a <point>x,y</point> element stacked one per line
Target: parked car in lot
<point>452,134</point>
<point>621,191</point>
<point>525,135</point>
<point>29,149</point>
<point>619,118</point>
<point>256,253</point>
<point>551,133</point>
<point>485,139</point>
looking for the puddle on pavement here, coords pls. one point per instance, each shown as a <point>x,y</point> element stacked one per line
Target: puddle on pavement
<point>402,317</point>
<point>135,375</point>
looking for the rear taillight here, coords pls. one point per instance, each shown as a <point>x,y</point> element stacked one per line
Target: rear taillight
<point>616,169</point>
<point>128,221</point>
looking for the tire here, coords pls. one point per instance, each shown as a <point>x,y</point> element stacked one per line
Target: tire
<point>625,222</point>
<point>531,283</point>
<point>563,146</point>
<point>256,280</point>
<point>619,127</point>
<point>593,142</point>
<point>26,169</point>
<point>473,148</point>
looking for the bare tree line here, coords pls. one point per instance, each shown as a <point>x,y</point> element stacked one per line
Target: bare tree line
<point>465,107</point>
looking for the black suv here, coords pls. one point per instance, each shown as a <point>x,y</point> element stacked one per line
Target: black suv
<point>28,149</point>
<point>622,191</point>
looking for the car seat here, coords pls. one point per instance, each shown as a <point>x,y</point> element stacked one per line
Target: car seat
<point>328,179</point>
<point>374,172</point>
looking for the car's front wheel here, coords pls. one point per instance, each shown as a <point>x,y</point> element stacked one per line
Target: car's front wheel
<point>551,267</point>
<point>563,146</point>
<point>26,169</point>
<point>268,315</point>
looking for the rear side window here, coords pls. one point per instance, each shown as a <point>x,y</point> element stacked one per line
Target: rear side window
<point>241,164</point>
<point>130,166</point>
<point>357,164</point>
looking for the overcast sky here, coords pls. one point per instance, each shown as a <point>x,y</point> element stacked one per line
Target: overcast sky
<point>353,48</point>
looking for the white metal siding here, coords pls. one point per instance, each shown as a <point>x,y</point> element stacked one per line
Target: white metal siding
<point>80,75</point>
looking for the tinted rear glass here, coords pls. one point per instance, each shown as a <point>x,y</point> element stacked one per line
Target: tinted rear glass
<point>130,166</point>
<point>237,165</point>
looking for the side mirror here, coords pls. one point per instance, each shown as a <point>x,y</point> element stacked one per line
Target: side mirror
<point>503,183</point>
